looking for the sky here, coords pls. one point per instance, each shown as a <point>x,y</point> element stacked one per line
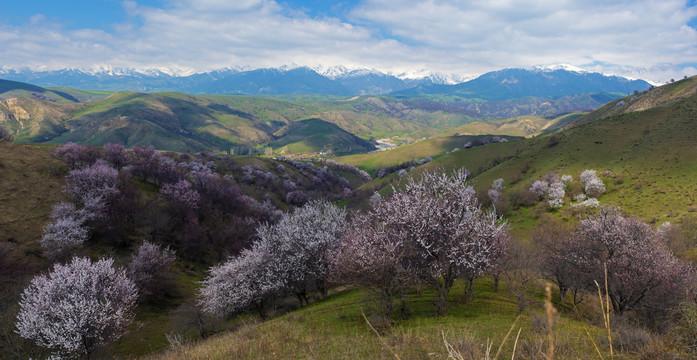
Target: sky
<point>654,40</point>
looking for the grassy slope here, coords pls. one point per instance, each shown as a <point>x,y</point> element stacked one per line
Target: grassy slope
<point>650,154</point>
<point>519,126</point>
<point>315,135</point>
<point>11,89</point>
<point>336,329</point>
<point>30,183</point>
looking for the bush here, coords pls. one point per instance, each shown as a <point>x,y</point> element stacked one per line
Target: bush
<point>5,135</point>
<point>523,198</point>
<point>685,330</point>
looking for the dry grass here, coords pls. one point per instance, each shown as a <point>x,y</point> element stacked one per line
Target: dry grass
<point>31,181</point>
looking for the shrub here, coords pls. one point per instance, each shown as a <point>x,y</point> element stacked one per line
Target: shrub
<point>77,308</point>
<point>5,135</point>
<point>685,330</point>
<point>523,197</point>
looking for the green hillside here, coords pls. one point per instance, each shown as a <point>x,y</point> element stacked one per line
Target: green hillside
<point>218,123</point>
<point>13,89</point>
<point>522,126</point>
<point>648,158</point>
<point>315,136</point>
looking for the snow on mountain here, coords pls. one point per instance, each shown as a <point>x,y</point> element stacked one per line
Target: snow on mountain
<point>555,67</point>
<point>436,78</point>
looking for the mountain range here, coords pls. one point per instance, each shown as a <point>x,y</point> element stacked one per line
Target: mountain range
<point>552,82</point>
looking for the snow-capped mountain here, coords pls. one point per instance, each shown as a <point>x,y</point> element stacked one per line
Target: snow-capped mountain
<point>558,80</point>
<point>546,82</point>
<point>555,67</point>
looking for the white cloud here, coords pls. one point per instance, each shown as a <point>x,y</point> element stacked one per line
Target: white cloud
<point>643,38</point>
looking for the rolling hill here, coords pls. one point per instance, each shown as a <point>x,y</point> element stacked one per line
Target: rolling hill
<point>318,136</point>
<point>13,89</point>
<point>180,122</point>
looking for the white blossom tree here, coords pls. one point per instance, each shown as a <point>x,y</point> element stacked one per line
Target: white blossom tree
<point>496,191</point>
<point>300,244</point>
<point>593,185</point>
<point>65,232</point>
<point>555,195</point>
<point>243,282</point>
<point>587,175</point>
<point>77,308</point>
<point>539,187</point>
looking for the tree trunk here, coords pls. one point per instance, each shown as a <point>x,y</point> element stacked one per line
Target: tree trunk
<point>562,294</point>
<point>467,294</point>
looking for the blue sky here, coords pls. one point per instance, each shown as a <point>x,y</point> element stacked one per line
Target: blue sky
<point>650,39</point>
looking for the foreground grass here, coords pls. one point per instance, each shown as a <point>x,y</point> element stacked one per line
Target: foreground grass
<point>335,329</point>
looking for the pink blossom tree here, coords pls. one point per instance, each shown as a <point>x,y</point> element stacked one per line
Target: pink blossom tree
<point>77,156</point>
<point>148,266</point>
<point>374,255</point>
<point>641,272</point>
<point>451,235</point>
<point>556,242</point>
<point>116,154</point>
<point>181,196</point>
<point>77,308</point>
<point>94,187</point>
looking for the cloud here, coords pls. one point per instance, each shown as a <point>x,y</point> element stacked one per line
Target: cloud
<point>643,37</point>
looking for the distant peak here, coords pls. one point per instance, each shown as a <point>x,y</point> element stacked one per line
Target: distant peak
<point>555,67</point>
